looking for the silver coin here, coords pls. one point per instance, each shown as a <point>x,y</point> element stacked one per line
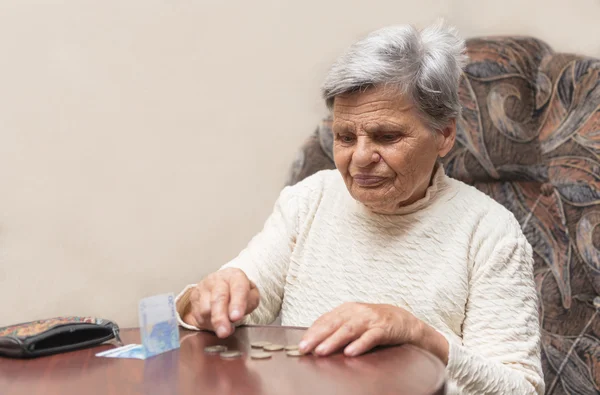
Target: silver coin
<point>273,347</point>
<point>260,355</point>
<point>215,349</point>
<point>291,347</point>
<point>230,354</point>
<point>294,353</point>
<point>260,344</point>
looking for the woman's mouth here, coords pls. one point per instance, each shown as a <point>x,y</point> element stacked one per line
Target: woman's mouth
<point>365,180</point>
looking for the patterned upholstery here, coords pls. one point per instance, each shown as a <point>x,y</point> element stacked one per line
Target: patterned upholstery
<point>529,136</point>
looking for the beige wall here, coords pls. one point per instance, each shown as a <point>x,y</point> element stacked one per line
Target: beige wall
<point>142,143</point>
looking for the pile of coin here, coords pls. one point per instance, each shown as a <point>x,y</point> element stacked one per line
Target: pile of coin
<point>265,347</point>
<point>291,350</point>
<point>223,352</point>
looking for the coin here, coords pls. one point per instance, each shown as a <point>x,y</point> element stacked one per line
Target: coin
<point>215,349</point>
<point>294,353</point>
<point>291,347</point>
<point>260,355</point>
<point>273,347</point>
<point>260,344</point>
<point>230,354</point>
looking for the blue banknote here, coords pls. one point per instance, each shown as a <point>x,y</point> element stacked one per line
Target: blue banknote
<point>135,351</point>
<point>158,324</point>
<point>158,329</point>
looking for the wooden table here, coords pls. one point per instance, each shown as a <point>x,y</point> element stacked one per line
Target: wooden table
<point>394,370</point>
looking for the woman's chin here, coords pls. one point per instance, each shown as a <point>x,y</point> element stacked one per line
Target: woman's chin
<point>371,198</point>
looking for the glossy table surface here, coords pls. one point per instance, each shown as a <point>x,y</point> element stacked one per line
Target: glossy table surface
<point>189,370</point>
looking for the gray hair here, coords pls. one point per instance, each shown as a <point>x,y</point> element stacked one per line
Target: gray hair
<point>425,65</point>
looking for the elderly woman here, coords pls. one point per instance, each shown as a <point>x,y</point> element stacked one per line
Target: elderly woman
<point>387,249</point>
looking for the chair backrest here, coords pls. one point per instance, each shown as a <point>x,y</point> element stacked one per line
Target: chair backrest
<point>529,136</point>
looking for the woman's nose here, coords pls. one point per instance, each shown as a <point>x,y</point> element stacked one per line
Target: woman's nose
<point>365,153</point>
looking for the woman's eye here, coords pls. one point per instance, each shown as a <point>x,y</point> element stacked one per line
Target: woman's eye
<point>388,137</point>
<point>346,138</point>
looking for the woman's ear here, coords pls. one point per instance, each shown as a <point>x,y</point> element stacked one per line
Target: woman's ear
<point>447,137</point>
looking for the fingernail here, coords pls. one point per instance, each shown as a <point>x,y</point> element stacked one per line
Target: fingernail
<point>222,331</point>
<point>236,315</point>
<point>321,349</point>
<point>303,345</point>
<point>350,351</point>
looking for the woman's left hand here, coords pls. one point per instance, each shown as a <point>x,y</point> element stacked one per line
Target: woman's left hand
<point>359,327</point>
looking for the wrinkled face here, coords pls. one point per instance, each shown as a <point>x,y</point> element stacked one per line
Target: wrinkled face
<point>383,150</point>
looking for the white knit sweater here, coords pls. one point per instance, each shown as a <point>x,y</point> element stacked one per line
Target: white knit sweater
<point>456,259</point>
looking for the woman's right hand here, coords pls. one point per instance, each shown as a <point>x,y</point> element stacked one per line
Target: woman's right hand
<point>220,299</point>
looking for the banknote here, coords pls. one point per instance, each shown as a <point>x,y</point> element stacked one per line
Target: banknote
<point>158,330</point>
<point>135,351</point>
<point>158,324</point>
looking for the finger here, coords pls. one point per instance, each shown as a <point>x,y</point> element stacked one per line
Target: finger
<point>189,314</point>
<point>190,319</point>
<point>203,309</point>
<point>194,317</point>
<point>346,333</point>
<point>253,299</point>
<point>322,328</point>
<point>204,303</point>
<point>239,288</point>
<point>203,296</point>
<point>219,301</point>
<point>371,338</point>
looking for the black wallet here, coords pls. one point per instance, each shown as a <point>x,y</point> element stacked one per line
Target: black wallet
<point>55,335</point>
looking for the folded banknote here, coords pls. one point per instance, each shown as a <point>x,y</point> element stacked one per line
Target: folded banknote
<point>158,330</point>
<point>129,351</point>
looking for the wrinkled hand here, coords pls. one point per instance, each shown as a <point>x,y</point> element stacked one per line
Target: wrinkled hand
<point>359,327</point>
<point>220,299</point>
